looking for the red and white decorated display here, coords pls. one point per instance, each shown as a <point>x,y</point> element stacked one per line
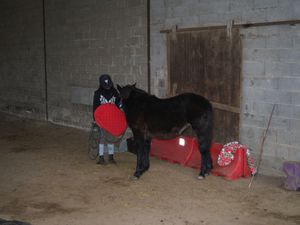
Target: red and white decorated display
<point>226,156</point>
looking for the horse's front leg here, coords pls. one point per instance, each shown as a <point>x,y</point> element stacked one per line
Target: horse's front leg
<point>143,149</point>
<point>146,161</point>
<point>139,156</point>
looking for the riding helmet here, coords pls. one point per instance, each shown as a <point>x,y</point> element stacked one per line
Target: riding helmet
<point>105,81</point>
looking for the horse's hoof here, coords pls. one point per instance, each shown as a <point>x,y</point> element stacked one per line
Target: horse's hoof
<point>200,177</point>
<point>135,178</point>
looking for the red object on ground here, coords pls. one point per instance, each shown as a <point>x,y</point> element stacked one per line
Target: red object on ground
<point>111,118</point>
<point>184,151</point>
<point>236,169</point>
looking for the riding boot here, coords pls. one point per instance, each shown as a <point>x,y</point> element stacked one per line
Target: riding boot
<point>111,159</point>
<point>101,160</point>
<point>111,149</point>
<point>101,155</point>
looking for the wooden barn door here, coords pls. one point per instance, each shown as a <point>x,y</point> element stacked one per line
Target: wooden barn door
<point>209,63</point>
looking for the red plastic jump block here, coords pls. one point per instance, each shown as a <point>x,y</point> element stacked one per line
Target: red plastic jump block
<point>236,169</point>
<point>177,150</point>
<point>184,151</point>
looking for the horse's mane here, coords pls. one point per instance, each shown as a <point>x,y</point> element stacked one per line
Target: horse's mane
<point>144,93</point>
<point>140,91</point>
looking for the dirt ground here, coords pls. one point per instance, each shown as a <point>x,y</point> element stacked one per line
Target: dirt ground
<point>47,178</point>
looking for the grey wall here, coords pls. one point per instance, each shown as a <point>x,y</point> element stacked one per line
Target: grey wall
<point>271,66</point>
<point>83,40</point>
<point>22,80</point>
<point>86,39</point>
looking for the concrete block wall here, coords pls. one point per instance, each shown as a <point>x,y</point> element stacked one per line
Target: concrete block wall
<point>270,67</point>
<point>88,38</point>
<point>271,76</point>
<point>83,40</point>
<point>22,77</point>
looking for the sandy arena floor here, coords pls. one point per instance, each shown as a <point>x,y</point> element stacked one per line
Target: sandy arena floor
<point>47,178</point>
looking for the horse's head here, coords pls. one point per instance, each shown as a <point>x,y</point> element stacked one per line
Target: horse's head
<point>126,90</point>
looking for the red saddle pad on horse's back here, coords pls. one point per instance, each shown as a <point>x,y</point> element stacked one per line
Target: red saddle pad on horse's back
<point>111,118</point>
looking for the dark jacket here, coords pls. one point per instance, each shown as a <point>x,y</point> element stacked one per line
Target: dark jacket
<point>102,96</point>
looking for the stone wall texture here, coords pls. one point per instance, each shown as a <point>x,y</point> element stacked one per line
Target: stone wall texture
<point>83,39</point>
<point>22,74</point>
<point>88,38</point>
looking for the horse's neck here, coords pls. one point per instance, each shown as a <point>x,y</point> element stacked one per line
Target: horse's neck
<point>136,100</point>
<point>138,93</point>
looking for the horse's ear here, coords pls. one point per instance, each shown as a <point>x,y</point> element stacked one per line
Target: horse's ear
<point>134,84</point>
<point>119,87</point>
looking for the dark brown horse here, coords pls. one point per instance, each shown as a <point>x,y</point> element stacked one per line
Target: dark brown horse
<point>149,116</point>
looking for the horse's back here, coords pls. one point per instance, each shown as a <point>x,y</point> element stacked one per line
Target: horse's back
<point>181,104</point>
<point>194,99</point>
<point>178,110</point>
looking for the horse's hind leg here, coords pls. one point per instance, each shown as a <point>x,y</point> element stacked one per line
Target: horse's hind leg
<point>204,136</point>
<point>143,149</point>
<point>206,161</point>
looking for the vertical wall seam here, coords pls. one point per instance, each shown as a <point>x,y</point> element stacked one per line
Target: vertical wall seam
<point>45,62</point>
<point>148,47</point>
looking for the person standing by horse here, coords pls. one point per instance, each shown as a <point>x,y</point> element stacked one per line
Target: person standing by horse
<point>105,94</point>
